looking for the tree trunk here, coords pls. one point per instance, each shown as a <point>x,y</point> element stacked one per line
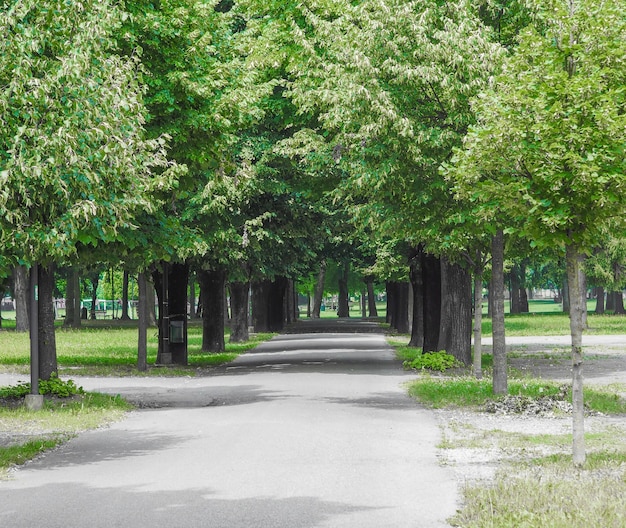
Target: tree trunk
<point>177,283</point>
<point>239,299</point>
<point>260,302</point>
<point>47,339</point>
<point>276,304</point>
<point>20,291</point>
<point>478,317</point>
<point>371,299</point>
<point>151,302</point>
<point>343,310</point>
<point>95,279</point>
<point>192,298</point>
<point>618,303</point>
<point>401,308</point>
<point>431,289</point>
<point>390,288</point>
<point>577,309</point>
<point>318,294</point>
<point>143,316</point>
<point>212,284</point>
<point>70,296</point>
<point>364,302</point>
<point>523,293</point>
<point>415,276</point>
<point>566,295</point>
<point>500,381</point>
<point>610,301</point>
<point>291,304</point>
<point>455,335</point>
<point>599,300</point>
<point>125,281</point>
<point>514,290</point>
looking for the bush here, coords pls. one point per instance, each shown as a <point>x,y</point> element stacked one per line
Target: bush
<point>439,361</point>
<point>52,387</point>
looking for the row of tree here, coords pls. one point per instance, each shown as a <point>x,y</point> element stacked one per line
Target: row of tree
<point>247,140</point>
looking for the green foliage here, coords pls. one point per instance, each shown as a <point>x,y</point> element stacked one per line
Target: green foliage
<point>52,387</point>
<point>75,166</point>
<point>438,361</point>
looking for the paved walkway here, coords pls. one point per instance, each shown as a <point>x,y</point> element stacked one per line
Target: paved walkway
<point>311,430</point>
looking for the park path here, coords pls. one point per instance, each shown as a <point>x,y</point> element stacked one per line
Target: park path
<point>308,430</point>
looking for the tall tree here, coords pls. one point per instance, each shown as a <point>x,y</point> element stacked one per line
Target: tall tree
<point>75,166</point>
<point>549,145</point>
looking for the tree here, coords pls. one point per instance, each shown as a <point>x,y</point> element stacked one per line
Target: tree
<point>550,142</point>
<point>75,166</point>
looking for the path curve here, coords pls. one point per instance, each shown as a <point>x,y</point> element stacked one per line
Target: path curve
<point>310,430</point>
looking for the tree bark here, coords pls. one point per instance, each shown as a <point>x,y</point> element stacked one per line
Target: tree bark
<point>390,300</point>
<point>318,294</point>
<point>143,316</point>
<point>343,310</point>
<point>212,284</point>
<point>478,318</point>
<point>600,300</point>
<point>47,339</point>
<point>125,282</point>
<point>618,303</point>
<point>72,299</point>
<point>401,308</point>
<point>276,304</point>
<point>20,291</point>
<point>239,300</point>
<point>363,302</point>
<point>500,381</point>
<point>371,299</point>
<point>577,309</point>
<point>260,302</point>
<point>415,276</point>
<point>431,289</point>
<point>455,335</point>
<point>95,279</point>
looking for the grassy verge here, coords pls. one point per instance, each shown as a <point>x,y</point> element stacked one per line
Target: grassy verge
<point>111,350</point>
<point>25,434</point>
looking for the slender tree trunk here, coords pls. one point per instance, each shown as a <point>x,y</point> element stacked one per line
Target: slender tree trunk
<point>363,302</point>
<point>125,282</point>
<point>290,301</point>
<point>390,302</point>
<point>192,298</point>
<point>318,294</point>
<point>455,335</point>
<point>151,301</point>
<point>70,296</point>
<point>566,295</point>
<point>47,339</point>
<point>415,276</point>
<point>343,310</point>
<point>577,309</point>
<point>20,288</point>
<point>239,299</point>
<point>95,279</point>
<point>514,290</point>
<point>600,300</point>
<point>500,381</point>
<point>523,293</point>
<point>143,316</point>
<point>371,299</point>
<point>431,281</point>
<point>212,284</point>
<point>478,317</point>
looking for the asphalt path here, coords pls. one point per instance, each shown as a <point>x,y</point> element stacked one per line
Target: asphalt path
<point>309,430</point>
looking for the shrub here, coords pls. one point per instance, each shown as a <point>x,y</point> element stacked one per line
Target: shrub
<point>53,387</point>
<point>439,361</point>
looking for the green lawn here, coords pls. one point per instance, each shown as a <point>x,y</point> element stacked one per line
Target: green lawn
<point>110,348</point>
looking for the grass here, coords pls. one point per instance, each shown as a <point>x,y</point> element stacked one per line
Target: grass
<point>111,350</point>
<point>58,421</point>
<point>439,392</point>
<point>557,498</point>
